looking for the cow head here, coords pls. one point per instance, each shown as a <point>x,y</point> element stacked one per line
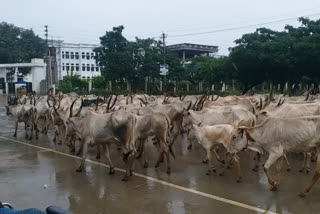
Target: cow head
<point>239,139</point>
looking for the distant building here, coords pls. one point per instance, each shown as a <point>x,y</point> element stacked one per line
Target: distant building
<point>71,58</point>
<point>188,50</point>
<point>31,82</point>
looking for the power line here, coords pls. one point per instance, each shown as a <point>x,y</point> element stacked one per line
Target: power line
<point>240,27</point>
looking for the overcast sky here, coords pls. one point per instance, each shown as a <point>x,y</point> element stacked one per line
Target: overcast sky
<point>84,21</point>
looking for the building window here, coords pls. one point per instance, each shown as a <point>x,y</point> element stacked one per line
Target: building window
<point>92,67</point>
<point>88,67</point>
<point>83,55</point>
<point>77,67</point>
<point>63,68</point>
<point>83,77</point>
<point>88,56</point>
<point>88,77</point>
<point>63,55</point>
<point>67,55</point>
<point>72,55</point>
<point>72,67</point>
<point>77,55</point>
<point>67,67</point>
<point>83,67</point>
<point>92,55</point>
<point>97,69</point>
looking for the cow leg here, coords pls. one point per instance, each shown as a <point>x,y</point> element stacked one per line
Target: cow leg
<point>106,149</point>
<point>316,175</point>
<point>273,157</point>
<point>140,149</point>
<point>160,158</point>
<point>215,150</point>
<point>84,156</point>
<point>16,128</point>
<point>257,162</point>
<point>31,131</point>
<point>239,172</point>
<point>308,161</point>
<point>303,162</point>
<point>98,156</point>
<point>287,162</point>
<point>26,130</point>
<point>80,149</point>
<point>129,168</point>
<point>211,167</point>
<point>166,151</point>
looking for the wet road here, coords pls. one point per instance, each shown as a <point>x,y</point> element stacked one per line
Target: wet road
<point>33,174</point>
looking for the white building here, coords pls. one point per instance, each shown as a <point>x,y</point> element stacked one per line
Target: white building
<point>31,81</point>
<point>69,59</point>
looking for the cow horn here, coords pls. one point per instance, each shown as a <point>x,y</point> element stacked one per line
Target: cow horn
<point>216,98</point>
<point>145,103</point>
<point>97,102</point>
<point>307,96</point>
<point>71,108</point>
<point>34,101</point>
<point>114,102</point>
<point>81,105</point>
<point>279,102</point>
<point>189,106</point>
<point>260,105</point>
<point>109,103</point>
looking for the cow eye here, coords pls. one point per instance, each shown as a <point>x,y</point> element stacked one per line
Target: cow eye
<point>234,137</point>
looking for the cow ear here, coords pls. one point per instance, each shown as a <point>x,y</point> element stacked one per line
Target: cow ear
<point>249,137</point>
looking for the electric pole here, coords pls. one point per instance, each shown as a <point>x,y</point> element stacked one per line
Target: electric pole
<point>164,58</point>
<point>48,61</point>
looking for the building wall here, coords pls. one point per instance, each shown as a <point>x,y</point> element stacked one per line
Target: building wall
<point>76,59</point>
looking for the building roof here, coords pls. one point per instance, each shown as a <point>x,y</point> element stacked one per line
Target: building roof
<point>193,49</point>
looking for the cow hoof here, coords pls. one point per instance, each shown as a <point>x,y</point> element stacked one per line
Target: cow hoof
<point>98,157</point>
<point>119,148</point>
<point>157,165</point>
<point>26,137</point>
<point>130,172</point>
<point>30,138</point>
<point>168,171</point>
<point>112,171</point>
<point>37,137</point>
<point>125,178</point>
<point>59,143</point>
<point>289,169</point>
<point>301,170</point>
<point>205,161</point>
<point>145,165</point>
<point>221,174</point>
<point>189,147</point>
<point>213,170</point>
<point>307,171</point>
<point>302,194</point>
<point>14,135</point>
<point>79,169</point>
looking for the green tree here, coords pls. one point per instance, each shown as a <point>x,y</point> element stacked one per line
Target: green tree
<point>19,45</point>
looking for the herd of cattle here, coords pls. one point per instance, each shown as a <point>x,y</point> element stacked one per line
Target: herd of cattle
<point>274,125</point>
